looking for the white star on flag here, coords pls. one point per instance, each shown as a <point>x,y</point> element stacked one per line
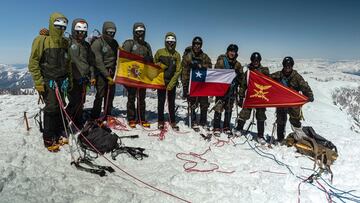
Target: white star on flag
<point>198,74</point>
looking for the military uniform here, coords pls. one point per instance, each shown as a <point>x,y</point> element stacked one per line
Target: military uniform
<point>296,82</point>
<point>223,62</point>
<point>172,61</point>
<point>82,63</point>
<point>49,66</point>
<point>245,113</point>
<point>190,61</point>
<point>142,48</point>
<point>105,51</point>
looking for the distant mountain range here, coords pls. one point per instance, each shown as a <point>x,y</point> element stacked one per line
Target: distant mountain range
<point>15,79</point>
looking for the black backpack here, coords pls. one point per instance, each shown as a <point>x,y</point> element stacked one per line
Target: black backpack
<point>98,138</point>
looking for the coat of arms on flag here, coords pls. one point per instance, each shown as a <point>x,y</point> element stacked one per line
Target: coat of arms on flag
<point>263,91</point>
<point>133,71</point>
<point>210,82</point>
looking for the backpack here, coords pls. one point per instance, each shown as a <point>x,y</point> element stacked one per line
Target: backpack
<point>323,151</point>
<point>98,138</point>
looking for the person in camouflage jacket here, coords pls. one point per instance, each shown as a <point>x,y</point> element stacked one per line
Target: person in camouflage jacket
<point>227,61</point>
<point>49,67</point>
<point>169,57</point>
<point>245,113</point>
<point>82,63</point>
<point>196,58</point>
<point>105,50</point>
<point>292,79</point>
<point>140,47</point>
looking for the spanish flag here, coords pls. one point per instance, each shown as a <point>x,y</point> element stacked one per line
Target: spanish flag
<point>263,91</point>
<point>133,71</point>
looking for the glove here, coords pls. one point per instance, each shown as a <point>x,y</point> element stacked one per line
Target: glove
<point>40,88</point>
<point>110,81</point>
<point>168,88</point>
<point>44,32</point>
<point>241,101</point>
<point>148,59</point>
<point>93,82</point>
<point>166,60</point>
<point>311,99</point>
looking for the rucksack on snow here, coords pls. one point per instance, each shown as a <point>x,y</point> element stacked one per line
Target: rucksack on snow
<point>98,138</point>
<point>323,151</point>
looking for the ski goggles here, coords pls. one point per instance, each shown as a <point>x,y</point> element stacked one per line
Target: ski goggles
<point>170,39</point>
<point>60,23</point>
<point>81,26</point>
<point>111,32</point>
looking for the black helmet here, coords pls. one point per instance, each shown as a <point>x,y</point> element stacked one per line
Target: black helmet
<point>197,40</point>
<point>255,57</point>
<point>288,61</point>
<point>232,47</point>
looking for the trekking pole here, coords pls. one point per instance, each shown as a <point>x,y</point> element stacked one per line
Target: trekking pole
<point>26,121</point>
<point>251,123</point>
<point>107,101</point>
<point>41,99</point>
<point>189,116</point>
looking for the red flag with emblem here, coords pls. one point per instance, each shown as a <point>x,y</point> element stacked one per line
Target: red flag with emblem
<point>262,91</point>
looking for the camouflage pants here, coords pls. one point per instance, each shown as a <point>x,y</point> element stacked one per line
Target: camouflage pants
<point>228,105</point>
<point>204,105</point>
<point>294,113</point>
<point>245,114</point>
<point>133,93</point>
<point>102,91</point>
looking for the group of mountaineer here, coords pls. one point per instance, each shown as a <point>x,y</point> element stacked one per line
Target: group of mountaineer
<point>66,66</point>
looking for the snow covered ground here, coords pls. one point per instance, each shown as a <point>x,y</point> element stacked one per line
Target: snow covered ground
<point>28,173</point>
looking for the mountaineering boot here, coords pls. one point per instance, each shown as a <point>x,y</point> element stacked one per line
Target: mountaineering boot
<point>132,123</point>
<point>195,126</point>
<point>174,127</point>
<point>161,125</point>
<point>260,135</point>
<point>280,132</point>
<point>51,146</point>
<point>63,141</point>
<point>227,131</point>
<point>145,124</point>
<point>217,132</point>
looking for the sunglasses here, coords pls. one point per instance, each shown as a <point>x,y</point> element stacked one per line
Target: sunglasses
<point>110,33</point>
<point>81,32</point>
<point>60,27</point>
<point>141,32</point>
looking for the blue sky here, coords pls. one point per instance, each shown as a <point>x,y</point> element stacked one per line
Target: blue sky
<point>303,28</point>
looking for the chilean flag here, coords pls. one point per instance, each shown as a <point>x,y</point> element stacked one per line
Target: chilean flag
<point>210,82</point>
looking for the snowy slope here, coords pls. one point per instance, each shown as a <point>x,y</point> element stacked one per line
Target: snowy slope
<point>30,174</point>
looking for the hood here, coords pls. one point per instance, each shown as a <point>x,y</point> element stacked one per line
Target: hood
<point>170,34</point>
<point>107,25</point>
<point>74,23</point>
<point>139,24</point>
<point>54,32</point>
